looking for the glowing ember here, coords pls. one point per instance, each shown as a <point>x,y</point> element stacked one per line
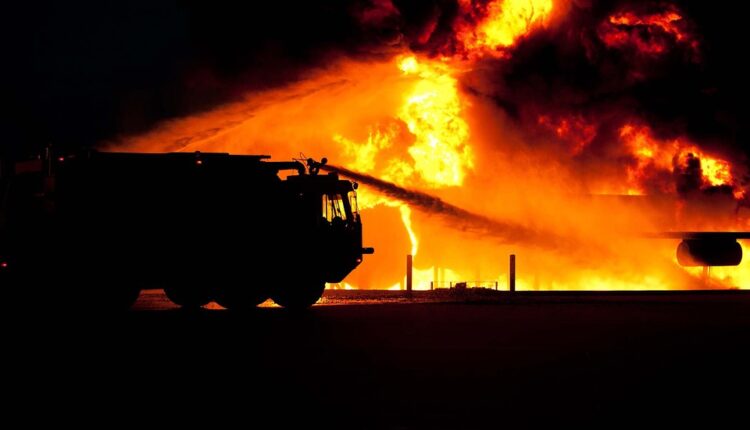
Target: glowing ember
<point>377,12</point>
<point>573,130</point>
<point>666,21</point>
<point>648,33</point>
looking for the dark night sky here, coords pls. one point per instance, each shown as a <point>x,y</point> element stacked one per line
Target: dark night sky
<point>78,73</point>
<point>89,71</point>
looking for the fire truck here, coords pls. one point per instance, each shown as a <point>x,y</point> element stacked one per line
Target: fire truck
<point>95,228</point>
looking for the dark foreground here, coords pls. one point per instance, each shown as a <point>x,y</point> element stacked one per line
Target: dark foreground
<point>600,360</point>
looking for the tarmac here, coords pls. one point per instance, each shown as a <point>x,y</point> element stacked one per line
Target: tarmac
<point>389,360</point>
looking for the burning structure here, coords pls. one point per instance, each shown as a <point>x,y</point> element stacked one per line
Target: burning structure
<point>563,129</point>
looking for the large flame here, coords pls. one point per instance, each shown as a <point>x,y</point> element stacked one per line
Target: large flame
<point>430,119</point>
<point>432,112</point>
<point>439,152</point>
<point>409,119</point>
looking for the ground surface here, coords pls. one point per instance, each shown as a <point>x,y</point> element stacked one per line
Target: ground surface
<point>380,360</point>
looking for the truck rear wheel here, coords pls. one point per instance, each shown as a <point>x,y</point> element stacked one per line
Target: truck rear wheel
<point>188,296</point>
<point>103,299</point>
<point>121,297</point>
<point>96,289</point>
<point>298,295</point>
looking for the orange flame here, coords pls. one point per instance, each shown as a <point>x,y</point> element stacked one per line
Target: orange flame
<point>406,219</point>
<point>432,112</point>
<point>653,155</point>
<point>666,21</point>
<point>429,117</point>
<point>648,33</point>
<point>499,25</point>
<point>573,129</point>
<point>715,172</point>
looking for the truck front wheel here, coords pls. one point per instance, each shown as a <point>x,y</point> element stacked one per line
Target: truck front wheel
<point>299,294</point>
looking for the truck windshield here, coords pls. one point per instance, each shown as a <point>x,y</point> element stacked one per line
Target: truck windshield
<point>334,206</point>
<point>353,204</point>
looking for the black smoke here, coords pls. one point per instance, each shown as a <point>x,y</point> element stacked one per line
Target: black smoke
<point>78,73</point>
<point>695,90</point>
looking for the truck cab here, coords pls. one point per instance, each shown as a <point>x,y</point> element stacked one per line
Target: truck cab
<point>202,226</point>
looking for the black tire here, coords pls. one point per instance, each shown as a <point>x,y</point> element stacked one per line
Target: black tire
<point>188,296</point>
<point>94,292</point>
<point>120,297</point>
<point>298,295</point>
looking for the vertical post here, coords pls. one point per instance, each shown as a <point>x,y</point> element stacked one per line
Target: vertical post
<point>408,272</point>
<point>512,277</point>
